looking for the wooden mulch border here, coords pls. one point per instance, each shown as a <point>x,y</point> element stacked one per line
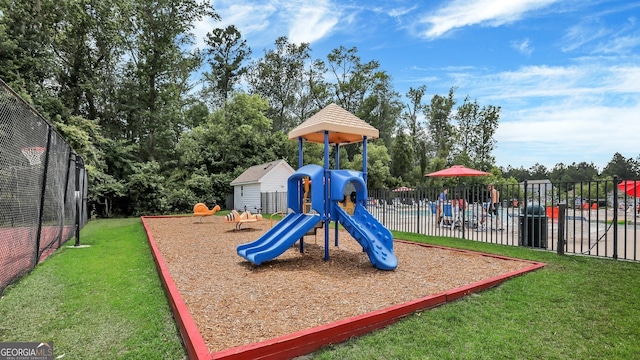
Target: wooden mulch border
<point>309,340</point>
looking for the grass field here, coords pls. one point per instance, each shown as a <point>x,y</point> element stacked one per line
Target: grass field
<point>106,302</point>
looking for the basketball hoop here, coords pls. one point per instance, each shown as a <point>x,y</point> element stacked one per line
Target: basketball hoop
<point>33,154</point>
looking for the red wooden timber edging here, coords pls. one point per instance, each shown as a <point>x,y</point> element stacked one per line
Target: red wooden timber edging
<point>309,340</point>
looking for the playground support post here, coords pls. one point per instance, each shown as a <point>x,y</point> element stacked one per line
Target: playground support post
<point>325,216</point>
<point>300,164</point>
<point>364,164</point>
<point>300,160</point>
<point>337,161</point>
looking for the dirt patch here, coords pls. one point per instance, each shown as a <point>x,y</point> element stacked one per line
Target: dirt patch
<point>235,303</point>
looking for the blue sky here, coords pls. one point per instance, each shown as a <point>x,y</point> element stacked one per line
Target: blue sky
<point>565,73</point>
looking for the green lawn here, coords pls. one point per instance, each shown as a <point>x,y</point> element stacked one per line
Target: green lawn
<point>106,302</point>
<point>100,302</point>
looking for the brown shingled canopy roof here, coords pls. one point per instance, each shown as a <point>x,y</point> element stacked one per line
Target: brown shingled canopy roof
<point>343,127</point>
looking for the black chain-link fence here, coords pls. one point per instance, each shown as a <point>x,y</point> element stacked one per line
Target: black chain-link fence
<point>43,188</point>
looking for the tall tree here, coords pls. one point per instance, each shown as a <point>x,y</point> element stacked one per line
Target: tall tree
<point>281,78</point>
<point>157,34</point>
<point>467,135</point>
<point>539,172</point>
<point>487,126</point>
<point>520,174</point>
<point>411,117</point>
<point>401,159</point>
<point>87,49</point>
<point>353,79</point>
<point>382,108</point>
<point>378,160</point>
<point>225,55</point>
<point>230,143</point>
<point>27,60</point>
<point>364,90</point>
<point>625,168</point>
<point>440,127</point>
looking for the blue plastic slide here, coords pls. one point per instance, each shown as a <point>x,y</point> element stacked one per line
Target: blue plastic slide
<point>279,238</point>
<point>376,240</point>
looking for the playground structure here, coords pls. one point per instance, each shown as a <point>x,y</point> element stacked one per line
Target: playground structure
<point>239,219</point>
<point>317,195</point>
<point>201,210</point>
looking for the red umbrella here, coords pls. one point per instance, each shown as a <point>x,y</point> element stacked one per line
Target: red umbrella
<point>631,187</point>
<point>458,170</point>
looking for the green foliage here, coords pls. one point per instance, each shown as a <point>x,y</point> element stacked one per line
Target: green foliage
<point>314,154</point>
<point>382,108</point>
<point>104,191</point>
<point>625,169</point>
<point>475,129</point>
<point>85,137</point>
<point>440,128</point>
<point>378,159</point>
<point>593,190</point>
<point>402,156</point>
<point>226,55</point>
<point>573,173</point>
<point>28,30</point>
<point>145,188</point>
<point>182,200</point>
<point>281,78</point>
<point>436,164</point>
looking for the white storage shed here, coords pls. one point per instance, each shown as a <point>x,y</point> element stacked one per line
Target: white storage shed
<point>262,188</point>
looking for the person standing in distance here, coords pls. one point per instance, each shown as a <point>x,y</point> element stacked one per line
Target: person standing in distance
<point>493,204</point>
<point>442,199</point>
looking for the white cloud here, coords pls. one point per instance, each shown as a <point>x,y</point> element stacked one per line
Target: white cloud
<point>584,112</point>
<point>595,36</point>
<point>589,81</point>
<point>579,35</point>
<point>461,13</point>
<point>619,45</point>
<point>262,22</point>
<point>398,12</point>
<point>554,134</point>
<point>250,19</point>
<point>312,22</point>
<point>522,46</point>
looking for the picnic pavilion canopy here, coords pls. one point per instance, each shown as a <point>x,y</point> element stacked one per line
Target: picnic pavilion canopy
<point>342,126</point>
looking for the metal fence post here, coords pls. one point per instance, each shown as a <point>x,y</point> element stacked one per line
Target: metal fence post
<point>615,215</point>
<point>42,195</point>
<point>562,210</point>
<point>78,197</point>
<point>462,207</point>
<point>523,218</point>
<point>66,195</point>
<point>418,198</point>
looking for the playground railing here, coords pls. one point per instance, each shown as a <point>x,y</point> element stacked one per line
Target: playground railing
<point>43,188</point>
